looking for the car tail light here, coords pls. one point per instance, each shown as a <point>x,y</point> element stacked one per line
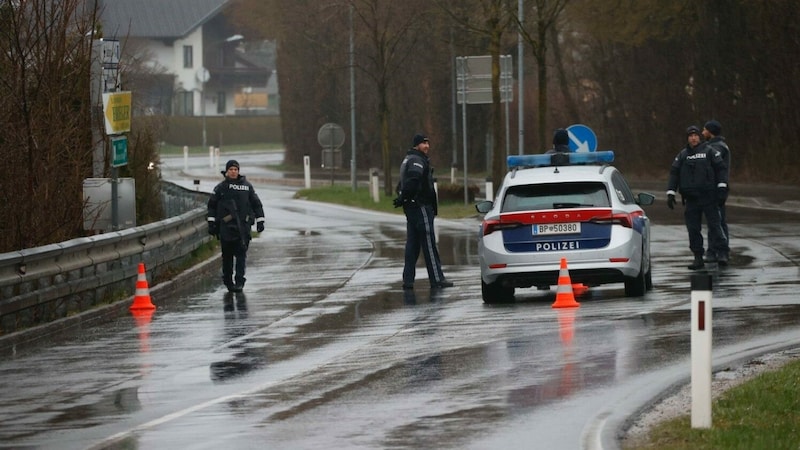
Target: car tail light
<point>623,219</point>
<point>490,226</point>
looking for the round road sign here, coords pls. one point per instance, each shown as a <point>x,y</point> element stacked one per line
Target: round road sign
<point>330,135</point>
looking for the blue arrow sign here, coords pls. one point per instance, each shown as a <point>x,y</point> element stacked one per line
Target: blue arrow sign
<point>581,138</point>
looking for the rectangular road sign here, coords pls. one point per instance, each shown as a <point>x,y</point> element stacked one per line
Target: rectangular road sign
<point>474,79</point>
<point>117,112</point>
<point>119,150</point>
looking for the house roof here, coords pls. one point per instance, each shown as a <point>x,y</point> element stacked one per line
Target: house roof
<point>156,19</point>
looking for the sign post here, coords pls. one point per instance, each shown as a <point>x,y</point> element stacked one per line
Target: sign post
<point>474,84</point>
<point>701,350</point>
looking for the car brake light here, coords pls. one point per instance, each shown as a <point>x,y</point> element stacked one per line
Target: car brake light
<point>490,226</point>
<point>625,220</point>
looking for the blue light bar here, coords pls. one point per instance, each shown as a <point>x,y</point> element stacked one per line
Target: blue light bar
<point>519,161</point>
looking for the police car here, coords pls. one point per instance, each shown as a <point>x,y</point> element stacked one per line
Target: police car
<point>571,205</point>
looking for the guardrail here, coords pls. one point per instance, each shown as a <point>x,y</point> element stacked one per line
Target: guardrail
<point>43,284</point>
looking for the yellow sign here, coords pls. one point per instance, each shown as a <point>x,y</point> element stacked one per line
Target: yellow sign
<point>117,112</point>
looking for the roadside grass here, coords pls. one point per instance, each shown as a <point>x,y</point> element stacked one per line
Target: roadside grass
<point>763,413</point>
<point>362,198</point>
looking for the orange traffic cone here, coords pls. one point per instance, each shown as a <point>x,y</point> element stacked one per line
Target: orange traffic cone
<point>141,299</point>
<point>565,298</point>
<point>579,289</point>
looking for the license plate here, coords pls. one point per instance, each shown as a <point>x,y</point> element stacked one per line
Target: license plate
<point>556,228</point>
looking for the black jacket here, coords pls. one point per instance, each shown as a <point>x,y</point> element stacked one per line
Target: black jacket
<point>718,143</point>
<point>558,149</point>
<point>235,207</point>
<point>416,180</point>
<point>697,171</point>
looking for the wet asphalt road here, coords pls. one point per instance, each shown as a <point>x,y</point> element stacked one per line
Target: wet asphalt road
<point>325,350</point>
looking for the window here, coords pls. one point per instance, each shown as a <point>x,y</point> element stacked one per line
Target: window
<point>221,102</point>
<point>184,103</point>
<point>623,190</point>
<point>188,57</point>
<point>555,196</point>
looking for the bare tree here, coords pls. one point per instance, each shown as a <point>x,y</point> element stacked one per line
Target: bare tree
<point>390,30</point>
<point>45,148</point>
<point>540,23</point>
<point>490,19</point>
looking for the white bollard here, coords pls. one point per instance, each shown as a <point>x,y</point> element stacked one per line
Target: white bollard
<point>453,174</point>
<point>211,157</point>
<point>185,158</point>
<point>307,170</point>
<point>216,157</point>
<point>373,182</point>
<point>701,351</point>
<point>489,189</point>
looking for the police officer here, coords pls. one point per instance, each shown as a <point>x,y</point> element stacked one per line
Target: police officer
<point>232,209</point>
<point>560,142</point>
<point>711,133</point>
<point>416,194</point>
<point>699,174</point>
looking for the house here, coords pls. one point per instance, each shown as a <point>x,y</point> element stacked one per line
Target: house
<point>184,58</point>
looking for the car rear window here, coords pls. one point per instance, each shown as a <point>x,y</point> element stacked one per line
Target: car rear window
<point>555,196</point>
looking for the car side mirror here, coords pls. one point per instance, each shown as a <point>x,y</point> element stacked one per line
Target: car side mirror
<point>484,206</point>
<point>645,199</point>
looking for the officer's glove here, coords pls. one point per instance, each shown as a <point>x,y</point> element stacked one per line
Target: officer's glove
<point>671,201</point>
<point>260,227</point>
<point>213,228</point>
<point>397,202</point>
<point>722,195</point>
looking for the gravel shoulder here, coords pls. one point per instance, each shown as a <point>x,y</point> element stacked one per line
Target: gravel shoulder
<point>679,403</point>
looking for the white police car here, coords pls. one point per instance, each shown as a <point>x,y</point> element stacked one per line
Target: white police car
<point>571,205</point>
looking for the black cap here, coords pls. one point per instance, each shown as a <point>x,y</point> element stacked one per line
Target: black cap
<point>561,137</point>
<point>419,139</point>
<point>713,127</point>
<point>692,130</point>
<point>231,163</point>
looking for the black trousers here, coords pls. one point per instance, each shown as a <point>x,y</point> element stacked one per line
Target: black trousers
<point>696,208</point>
<point>724,222</point>
<point>421,237</point>
<point>234,250</point>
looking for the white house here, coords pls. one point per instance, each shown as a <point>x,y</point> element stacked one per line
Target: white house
<point>185,58</point>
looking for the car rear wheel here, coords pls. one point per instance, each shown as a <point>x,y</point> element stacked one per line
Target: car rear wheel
<point>636,286</point>
<point>496,293</point>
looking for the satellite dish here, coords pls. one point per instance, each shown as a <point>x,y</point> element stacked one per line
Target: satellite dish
<point>202,75</point>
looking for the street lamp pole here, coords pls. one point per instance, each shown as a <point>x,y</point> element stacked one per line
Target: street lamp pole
<point>352,107</point>
<point>202,77</point>
<point>203,110</point>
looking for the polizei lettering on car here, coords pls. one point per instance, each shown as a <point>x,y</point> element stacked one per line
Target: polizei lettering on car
<point>595,231</point>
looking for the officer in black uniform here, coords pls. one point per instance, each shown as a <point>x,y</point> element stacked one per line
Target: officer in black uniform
<point>699,174</point>
<point>416,194</point>
<point>560,142</point>
<point>711,133</point>
<point>232,209</point>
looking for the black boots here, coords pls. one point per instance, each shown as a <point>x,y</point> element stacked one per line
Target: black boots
<point>698,262</point>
